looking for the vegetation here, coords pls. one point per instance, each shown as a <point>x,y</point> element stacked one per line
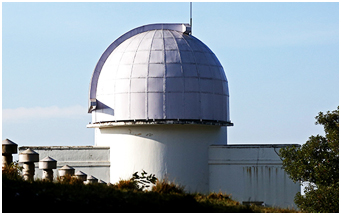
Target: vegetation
<point>68,195</point>
<point>136,182</point>
<point>166,187</point>
<point>13,171</point>
<point>317,162</point>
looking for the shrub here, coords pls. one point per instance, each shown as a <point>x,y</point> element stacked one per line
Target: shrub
<point>166,187</point>
<point>69,196</point>
<point>219,196</point>
<point>126,185</point>
<point>13,171</point>
<point>68,179</point>
<point>145,180</point>
<point>137,182</point>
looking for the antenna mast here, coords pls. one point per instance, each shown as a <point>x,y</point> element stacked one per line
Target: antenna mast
<point>190,16</point>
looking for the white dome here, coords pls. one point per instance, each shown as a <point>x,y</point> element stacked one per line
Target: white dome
<point>159,73</point>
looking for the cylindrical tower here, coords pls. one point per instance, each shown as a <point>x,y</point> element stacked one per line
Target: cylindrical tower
<point>159,98</point>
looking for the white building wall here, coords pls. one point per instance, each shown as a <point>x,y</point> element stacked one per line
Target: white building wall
<point>251,173</point>
<point>178,152</point>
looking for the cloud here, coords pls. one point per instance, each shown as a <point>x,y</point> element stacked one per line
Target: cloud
<point>20,114</point>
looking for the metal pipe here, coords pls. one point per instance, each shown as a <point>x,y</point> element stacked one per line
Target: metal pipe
<point>190,19</point>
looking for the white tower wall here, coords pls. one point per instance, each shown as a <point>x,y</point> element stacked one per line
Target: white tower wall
<point>178,152</point>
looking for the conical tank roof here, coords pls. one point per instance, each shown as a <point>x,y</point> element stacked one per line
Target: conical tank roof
<point>8,142</point>
<point>9,147</point>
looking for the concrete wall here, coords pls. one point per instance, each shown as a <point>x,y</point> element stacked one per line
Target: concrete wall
<point>91,160</point>
<point>251,173</point>
<point>178,152</point>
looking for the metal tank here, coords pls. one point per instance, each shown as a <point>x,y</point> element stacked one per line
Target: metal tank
<point>159,98</point>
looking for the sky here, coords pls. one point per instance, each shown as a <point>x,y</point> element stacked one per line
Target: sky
<point>281,61</point>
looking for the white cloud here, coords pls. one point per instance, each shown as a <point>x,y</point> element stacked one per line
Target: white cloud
<point>19,114</point>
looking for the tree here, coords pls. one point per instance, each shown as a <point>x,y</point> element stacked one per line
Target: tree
<point>317,162</point>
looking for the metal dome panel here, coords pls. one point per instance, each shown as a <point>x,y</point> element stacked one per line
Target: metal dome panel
<point>159,72</point>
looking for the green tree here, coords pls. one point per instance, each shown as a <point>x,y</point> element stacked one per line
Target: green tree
<point>317,162</point>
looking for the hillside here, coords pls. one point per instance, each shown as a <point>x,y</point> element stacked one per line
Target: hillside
<point>54,197</point>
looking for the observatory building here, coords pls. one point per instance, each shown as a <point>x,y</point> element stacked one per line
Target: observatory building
<point>159,102</point>
<point>159,98</point>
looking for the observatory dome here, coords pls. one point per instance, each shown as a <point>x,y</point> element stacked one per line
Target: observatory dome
<point>159,73</point>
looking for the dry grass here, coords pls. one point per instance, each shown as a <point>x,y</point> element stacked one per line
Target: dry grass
<point>68,179</point>
<point>167,187</point>
<point>125,196</point>
<point>13,171</point>
<point>126,185</point>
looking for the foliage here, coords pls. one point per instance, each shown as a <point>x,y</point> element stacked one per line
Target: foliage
<point>221,202</point>
<point>217,198</point>
<point>68,179</point>
<point>47,197</point>
<point>13,171</point>
<point>220,196</point>
<point>126,185</point>
<point>325,199</point>
<point>137,182</point>
<point>65,196</point>
<point>317,162</point>
<point>144,181</point>
<point>163,186</point>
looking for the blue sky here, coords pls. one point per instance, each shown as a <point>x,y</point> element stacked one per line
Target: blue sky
<point>281,61</point>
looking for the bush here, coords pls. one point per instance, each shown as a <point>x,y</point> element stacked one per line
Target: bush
<point>68,179</point>
<point>68,196</point>
<point>126,185</point>
<point>145,180</point>
<point>219,196</point>
<point>166,187</point>
<point>136,182</point>
<point>13,171</point>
